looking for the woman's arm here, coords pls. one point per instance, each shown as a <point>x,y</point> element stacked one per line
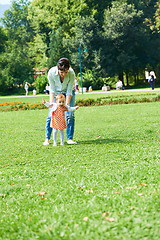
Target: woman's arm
<point>68,99</point>
<point>51,77</point>
<point>51,97</point>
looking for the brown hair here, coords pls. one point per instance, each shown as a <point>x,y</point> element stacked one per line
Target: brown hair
<point>63,64</point>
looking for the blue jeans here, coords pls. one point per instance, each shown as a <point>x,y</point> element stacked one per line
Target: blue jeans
<point>152,84</point>
<point>70,120</point>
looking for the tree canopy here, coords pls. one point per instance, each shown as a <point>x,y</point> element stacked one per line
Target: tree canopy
<point>116,38</point>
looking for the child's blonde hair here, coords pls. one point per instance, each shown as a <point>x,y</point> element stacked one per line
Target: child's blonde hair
<point>60,96</point>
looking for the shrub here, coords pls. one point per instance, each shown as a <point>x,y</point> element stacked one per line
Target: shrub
<point>89,79</point>
<point>40,83</point>
<point>15,106</point>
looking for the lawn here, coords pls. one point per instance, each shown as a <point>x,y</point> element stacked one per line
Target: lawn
<point>105,187</point>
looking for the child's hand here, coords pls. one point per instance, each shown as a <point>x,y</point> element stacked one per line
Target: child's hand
<point>76,107</point>
<point>43,101</point>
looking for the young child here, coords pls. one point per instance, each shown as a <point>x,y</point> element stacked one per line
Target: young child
<point>58,117</point>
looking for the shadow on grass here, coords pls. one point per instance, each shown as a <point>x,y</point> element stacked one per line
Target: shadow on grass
<point>101,141</point>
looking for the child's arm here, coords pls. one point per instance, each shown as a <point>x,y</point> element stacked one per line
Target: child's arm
<point>47,104</point>
<point>71,109</point>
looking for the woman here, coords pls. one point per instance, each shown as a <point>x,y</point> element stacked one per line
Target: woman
<point>61,81</point>
<point>26,86</point>
<point>151,79</point>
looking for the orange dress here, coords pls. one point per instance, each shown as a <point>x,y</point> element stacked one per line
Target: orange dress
<point>58,118</point>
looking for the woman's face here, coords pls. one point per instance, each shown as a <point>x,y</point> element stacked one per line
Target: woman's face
<point>63,73</point>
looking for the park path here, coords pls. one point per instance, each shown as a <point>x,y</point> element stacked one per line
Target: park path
<point>99,92</point>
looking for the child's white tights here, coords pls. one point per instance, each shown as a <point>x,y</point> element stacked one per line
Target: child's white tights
<point>55,136</point>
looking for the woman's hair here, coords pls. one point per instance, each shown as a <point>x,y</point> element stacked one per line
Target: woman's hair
<point>63,64</point>
<point>60,96</point>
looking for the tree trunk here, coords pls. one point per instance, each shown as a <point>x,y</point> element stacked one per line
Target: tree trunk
<point>127,79</point>
<point>135,79</point>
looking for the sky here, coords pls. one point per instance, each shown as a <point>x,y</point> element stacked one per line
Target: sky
<point>5,1</point>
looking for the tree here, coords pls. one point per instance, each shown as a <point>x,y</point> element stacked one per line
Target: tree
<point>157,17</point>
<point>16,22</point>
<point>55,21</point>
<point>86,40</point>
<point>3,39</point>
<point>126,39</point>
<point>113,37</point>
<point>16,65</point>
<point>56,47</point>
<point>153,18</point>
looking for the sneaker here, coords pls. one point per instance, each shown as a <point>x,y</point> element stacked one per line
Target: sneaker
<point>46,142</point>
<point>70,141</point>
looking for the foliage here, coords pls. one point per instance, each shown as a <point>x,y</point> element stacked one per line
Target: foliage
<point>3,39</point>
<point>15,106</point>
<point>124,34</point>
<point>15,67</point>
<point>151,12</point>
<point>85,39</point>
<point>89,79</point>
<point>105,187</point>
<point>16,22</point>
<point>157,17</point>
<point>37,51</point>
<point>15,64</point>
<point>40,83</point>
<point>54,51</point>
<point>117,38</point>
<point>117,100</point>
<point>55,24</point>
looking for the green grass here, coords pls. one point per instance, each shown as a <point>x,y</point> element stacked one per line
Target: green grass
<point>114,169</point>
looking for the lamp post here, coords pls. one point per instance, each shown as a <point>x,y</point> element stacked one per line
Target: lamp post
<point>80,63</point>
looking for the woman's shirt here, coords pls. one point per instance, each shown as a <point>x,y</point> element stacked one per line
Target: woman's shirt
<point>58,87</point>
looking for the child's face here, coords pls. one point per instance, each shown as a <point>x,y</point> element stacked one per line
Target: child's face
<point>60,102</point>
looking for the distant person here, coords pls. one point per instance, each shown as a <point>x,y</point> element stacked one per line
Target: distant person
<point>119,85</point>
<point>47,89</point>
<point>34,92</point>
<point>151,80</point>
<point>76,85</point>
<point>58,121</point>
<point>90,89</point>
<point>26,86</point>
